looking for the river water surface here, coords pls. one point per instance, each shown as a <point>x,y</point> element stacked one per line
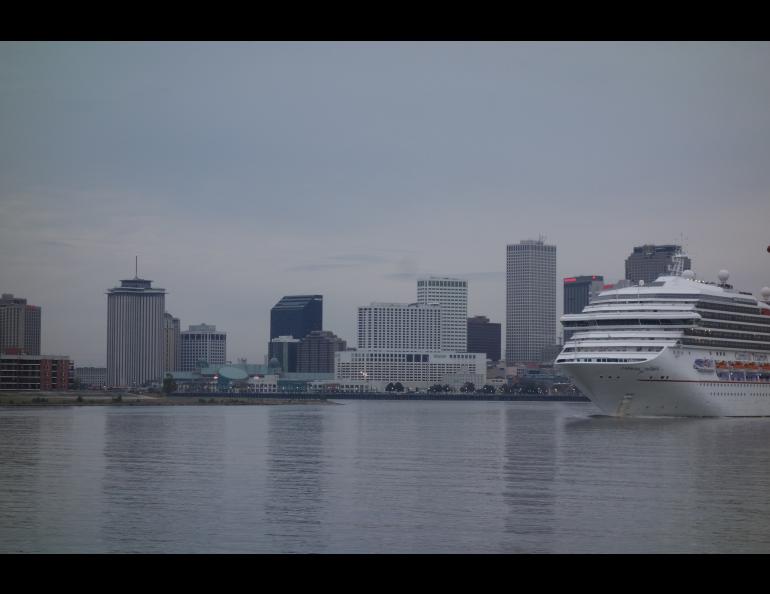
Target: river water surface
<point>380,477</point>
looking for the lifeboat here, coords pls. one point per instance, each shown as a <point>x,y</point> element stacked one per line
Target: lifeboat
<point>721,364</point>
<point>765,366</point>
<point>739,365</point>
<point>703,364</point>
<point>751,366</point>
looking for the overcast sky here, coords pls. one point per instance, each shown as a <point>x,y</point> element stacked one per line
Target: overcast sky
<point>242,172</point>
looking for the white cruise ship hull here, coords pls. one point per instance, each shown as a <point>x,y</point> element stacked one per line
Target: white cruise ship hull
<point>668,385</point>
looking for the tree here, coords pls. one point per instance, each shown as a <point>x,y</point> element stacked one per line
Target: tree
<point>436,388</point>
<point>390,387</point>
<point>468,387</point>
<point>169,385</point>
<point>488,389</point>
<point>398,387</point>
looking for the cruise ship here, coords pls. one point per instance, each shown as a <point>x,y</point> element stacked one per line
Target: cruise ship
<point>674,347</point>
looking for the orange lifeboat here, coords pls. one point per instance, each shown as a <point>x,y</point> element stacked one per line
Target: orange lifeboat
<point>721,364</point>
<point>765,366</point>
<point>751,366</point>
<point>739,365</point>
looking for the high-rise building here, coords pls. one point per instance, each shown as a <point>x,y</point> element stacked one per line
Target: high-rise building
<point>578,292</point>
<point>135,350</point>
<point>484,337</point>
<point>648,262</point>
<point>202,342</point>
<point>32,329</point>
<point>399,327</point>
<point>530,309</point>
<point>451,295</point>
<point>297,316</point>
<point>315,352</point>
<point>283,351</point>
<point>172,349</point>
<point>19,325</point>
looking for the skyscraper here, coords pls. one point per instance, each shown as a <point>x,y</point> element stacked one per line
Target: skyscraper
<point>648,262</point>
<point>297,316</point>
<point>19,325</point>
<point>578,292</point>
<point>172,352</point>
<point>399,327</point>
<point>530,304</point>
<point>135,345</point>
<point>202,342</point>
<point>451,295</point>
<point>484,337</point>
<point>32,329</point>
<point>315,352</point>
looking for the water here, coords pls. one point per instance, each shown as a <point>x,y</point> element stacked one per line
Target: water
<point>380,476</point>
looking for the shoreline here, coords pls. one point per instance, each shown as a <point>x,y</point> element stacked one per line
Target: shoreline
<point>84,398</point>
<point>91,398</point>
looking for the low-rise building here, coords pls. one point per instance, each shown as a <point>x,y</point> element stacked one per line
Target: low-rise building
<point>35,372</point>
<point>413,370</point>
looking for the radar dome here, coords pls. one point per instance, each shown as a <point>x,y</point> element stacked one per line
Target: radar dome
<point>723,275</point>
<point>641,283</point>
<point>765,292</point>
<point>274,362</point>
<point>688,274</point>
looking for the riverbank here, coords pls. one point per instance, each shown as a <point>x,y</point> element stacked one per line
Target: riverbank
<point>90,398</point>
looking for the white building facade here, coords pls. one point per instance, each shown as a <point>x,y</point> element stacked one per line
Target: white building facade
<point>135,345</point>
<point>530,309</point>
<point>202,342</point>
<point>451,295</point>
<point>399,327</point>
<point>417,369</point>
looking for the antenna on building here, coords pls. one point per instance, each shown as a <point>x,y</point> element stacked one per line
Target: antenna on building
<point>136,268</point>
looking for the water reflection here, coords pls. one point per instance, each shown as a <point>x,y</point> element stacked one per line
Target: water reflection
<point>163,478</point>
<point>665,485</point>
<point>19,438</point>
<point>295,469</point>
<point>529,470</point>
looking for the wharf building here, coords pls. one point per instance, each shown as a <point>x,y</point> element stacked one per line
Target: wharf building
<point>315,352</point>
<point>579,291</point>
<point>202,343</point>
<point>19,325</point>
<point>135,345</point>
<point>484,337</point>
<point>451,295</point>
<point>648,262</point>
<point>172,343</point>
<point>530,304</point>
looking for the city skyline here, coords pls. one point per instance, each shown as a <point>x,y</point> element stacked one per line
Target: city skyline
<point>242,172</point>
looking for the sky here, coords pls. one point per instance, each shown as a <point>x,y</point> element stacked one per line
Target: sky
<point>242,172</point>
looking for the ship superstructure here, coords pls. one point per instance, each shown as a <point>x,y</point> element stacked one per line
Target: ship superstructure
<point>676,346</point>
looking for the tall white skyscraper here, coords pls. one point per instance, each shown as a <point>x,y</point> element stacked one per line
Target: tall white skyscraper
<point>451,295</point>
<point>399,327</point>
<point>530,304</point>
<point>135,340</point>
